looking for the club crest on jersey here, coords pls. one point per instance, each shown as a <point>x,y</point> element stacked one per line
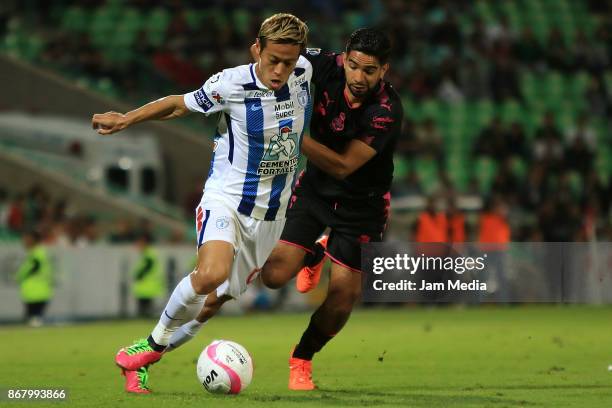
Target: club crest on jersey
<point>222,222</point>
<point>282,154</point>
<point>302,98</point>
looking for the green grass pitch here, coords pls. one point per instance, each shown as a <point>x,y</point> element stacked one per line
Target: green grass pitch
<point>524,356</point>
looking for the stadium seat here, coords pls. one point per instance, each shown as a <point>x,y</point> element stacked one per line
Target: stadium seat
<point>156,25</point>
<point>75,19</point>
<point>484,171</point>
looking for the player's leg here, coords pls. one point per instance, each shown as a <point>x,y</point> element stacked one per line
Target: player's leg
<point>283,264</point>
<point>305,222</point>
<point>188,331</point>
<point>214,261</point>
<point>257,240</point>
<point>215,258</point>
<point>343,291</point>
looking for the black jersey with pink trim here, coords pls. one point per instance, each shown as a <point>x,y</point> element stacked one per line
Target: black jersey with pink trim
<point>334,123</point>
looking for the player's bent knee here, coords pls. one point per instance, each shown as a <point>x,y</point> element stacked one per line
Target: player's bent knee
<point>272,278</point>
<point>207,278</point>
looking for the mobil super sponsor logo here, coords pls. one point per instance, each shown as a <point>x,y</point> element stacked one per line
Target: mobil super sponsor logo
<point>284,110</point>
<point>281,156</point>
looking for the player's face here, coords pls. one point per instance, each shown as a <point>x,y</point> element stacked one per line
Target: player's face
<point>363,72</point>
<point>276,63</point>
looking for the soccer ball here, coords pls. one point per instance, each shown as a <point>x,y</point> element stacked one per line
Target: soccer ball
<point>225,367</point>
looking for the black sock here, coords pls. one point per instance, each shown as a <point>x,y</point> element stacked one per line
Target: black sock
<point>157,347</point>
<point>318,252</point>
<point>312,341</point>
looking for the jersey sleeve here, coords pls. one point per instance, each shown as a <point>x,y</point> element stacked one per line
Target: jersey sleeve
<point>211,97</point>
<point>324,64</point>
<point>380,126</point>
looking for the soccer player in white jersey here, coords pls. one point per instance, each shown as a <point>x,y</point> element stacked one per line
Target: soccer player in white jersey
<point>263,111</point>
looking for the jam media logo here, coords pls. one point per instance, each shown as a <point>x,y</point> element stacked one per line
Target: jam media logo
<point>282,146</point>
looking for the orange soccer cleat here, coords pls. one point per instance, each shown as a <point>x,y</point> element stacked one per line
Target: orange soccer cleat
<point>300,374</point>
<point>309,276</point>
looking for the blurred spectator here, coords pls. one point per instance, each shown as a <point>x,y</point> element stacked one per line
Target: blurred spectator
<point>407,185</point>
<point>448,88</point>
<point>16,214</point>
<point>491,141</point>
<point>4,208</point>
<point>148,279</point>
<point>122,233</point>
<point>558,56</point>
<point>597,98</point>
<point>456,223</point>
<point>504,79</point>
<point>493,223</point>
<point>474,79</point>
<point>547,147</point>
<point>35,278</point>
<point>516,142</point>
<point>430,140</point>
<point>527,49</point>
<point>494,236</point>
<point>432,224</point>
<point>579,157</point>
<point>559,219</point>
<point>505,182</point>
<point>582,130</point>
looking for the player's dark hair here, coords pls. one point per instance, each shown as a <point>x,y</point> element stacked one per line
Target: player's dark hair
<point>370,41</point>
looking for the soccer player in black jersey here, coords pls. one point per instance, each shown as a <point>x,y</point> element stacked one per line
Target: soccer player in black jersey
<point>355,123</point>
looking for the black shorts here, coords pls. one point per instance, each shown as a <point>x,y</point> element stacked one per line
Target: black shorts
<point>352,222</point>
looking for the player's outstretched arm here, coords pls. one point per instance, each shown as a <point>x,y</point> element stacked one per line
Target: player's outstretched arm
<point>338,165</point>
<point>169,107</point>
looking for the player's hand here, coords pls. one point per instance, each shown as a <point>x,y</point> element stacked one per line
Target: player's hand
<point>109,122</point>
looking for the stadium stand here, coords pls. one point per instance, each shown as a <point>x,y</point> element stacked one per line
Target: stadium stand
<point>482,76</point>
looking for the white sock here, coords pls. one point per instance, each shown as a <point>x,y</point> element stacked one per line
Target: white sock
<point>184,333</point>
<point>183,306</point>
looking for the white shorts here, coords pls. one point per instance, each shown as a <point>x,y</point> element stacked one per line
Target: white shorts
<point>253,241</point>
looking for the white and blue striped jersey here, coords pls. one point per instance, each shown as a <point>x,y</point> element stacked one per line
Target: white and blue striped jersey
<point>257,142</point>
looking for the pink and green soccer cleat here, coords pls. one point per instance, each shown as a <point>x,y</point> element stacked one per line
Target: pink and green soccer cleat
<point>137,355</point>
<point>136,381</point>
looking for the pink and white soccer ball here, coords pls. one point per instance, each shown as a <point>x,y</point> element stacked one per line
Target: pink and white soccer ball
<point>225,367</point>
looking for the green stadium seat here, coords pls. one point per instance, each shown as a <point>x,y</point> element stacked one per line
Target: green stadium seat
<point>156,26</point>
<point>608,81</point>
<point>519,167</point>
<point>102,26</point>
<point>427,172</point>
<point>511,111</point>
<point>456,165</point>
<point>194,18</point>
<point>401,167</point>
<point>75,19</point>
<point>484,172</point>
<point>241,20</point>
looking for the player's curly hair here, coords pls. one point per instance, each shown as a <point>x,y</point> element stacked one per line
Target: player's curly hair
<point>283,28</point>
<point>370,41</point>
